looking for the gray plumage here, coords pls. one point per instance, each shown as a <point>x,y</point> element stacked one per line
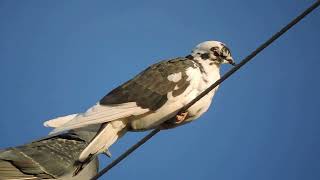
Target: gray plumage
<point>49,158</point>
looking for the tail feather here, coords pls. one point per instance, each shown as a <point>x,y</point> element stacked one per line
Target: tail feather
<point>57,122</point>
<point>9,171</point>
<point>100,114</point>
<point>108,134</point>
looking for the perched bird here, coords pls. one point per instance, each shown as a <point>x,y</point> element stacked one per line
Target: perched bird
<point>151,98</point>
<point>48,158</point>
<point>145,102</point>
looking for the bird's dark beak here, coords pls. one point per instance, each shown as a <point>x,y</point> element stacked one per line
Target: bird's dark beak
<point>231,61</point>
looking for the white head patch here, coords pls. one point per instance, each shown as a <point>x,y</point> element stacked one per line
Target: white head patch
<point>206,46</point>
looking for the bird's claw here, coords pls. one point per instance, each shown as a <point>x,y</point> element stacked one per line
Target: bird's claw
<point>181,117</point>
<point>107,153</point>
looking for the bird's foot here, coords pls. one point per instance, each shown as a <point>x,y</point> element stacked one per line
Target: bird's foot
<point>107,153</point>
<point>181,117</point>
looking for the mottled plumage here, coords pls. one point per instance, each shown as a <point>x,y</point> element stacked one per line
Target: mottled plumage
<point>154,84</point>
<point>151,98</point>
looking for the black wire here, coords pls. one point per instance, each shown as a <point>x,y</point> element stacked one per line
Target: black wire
<point>223,78</point>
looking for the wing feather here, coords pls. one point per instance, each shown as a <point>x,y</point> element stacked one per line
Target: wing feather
<point>147,92</point>
<point>57,122</point>
<point>101,114</point>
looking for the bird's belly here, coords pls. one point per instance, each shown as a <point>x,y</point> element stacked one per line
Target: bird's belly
<point>200,107</point>
<point>152,120</point>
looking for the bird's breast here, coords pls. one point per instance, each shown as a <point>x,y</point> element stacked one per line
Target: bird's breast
<point>198,83</point>
<point>209,77</point>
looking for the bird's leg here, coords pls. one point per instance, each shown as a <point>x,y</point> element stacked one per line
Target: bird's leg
<point>181,117</point>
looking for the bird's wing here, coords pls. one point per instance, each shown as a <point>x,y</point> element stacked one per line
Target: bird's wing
<point>49,158</point>
<point>100,114</point>
<point>147,92</point>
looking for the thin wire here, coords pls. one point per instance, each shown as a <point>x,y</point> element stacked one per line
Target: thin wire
<point>223,78</point>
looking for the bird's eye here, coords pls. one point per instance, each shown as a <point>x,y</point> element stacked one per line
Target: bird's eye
<point>216,53</point>
<point>205,56</point>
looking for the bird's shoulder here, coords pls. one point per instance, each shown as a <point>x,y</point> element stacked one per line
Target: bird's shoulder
<point>167,67</point>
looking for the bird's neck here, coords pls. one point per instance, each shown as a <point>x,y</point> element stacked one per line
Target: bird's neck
<point>209,69</point>
<point>210,72</point>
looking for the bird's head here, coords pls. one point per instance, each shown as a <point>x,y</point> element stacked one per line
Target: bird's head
<point>213,51</point>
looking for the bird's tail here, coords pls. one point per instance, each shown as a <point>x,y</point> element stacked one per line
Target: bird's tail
<point>108,134</point>
<point>49,158</point>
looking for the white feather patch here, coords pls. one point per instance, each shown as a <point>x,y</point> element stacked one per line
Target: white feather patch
<point>106,137</point>
<point>99,114</point>
<point>176,77</point>
<point>57,122</point>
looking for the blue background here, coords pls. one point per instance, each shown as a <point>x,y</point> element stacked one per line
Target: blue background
<point>60,57</point>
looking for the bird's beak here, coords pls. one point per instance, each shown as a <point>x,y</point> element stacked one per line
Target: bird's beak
<point>231,61</point>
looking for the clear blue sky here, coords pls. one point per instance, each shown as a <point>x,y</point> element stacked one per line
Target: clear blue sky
<point>60,57</point>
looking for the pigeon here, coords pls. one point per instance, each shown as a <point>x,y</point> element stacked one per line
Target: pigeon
<point>53,157</point>
<point>150,99</point>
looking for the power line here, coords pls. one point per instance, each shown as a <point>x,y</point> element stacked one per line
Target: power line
<point>223,78</point>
